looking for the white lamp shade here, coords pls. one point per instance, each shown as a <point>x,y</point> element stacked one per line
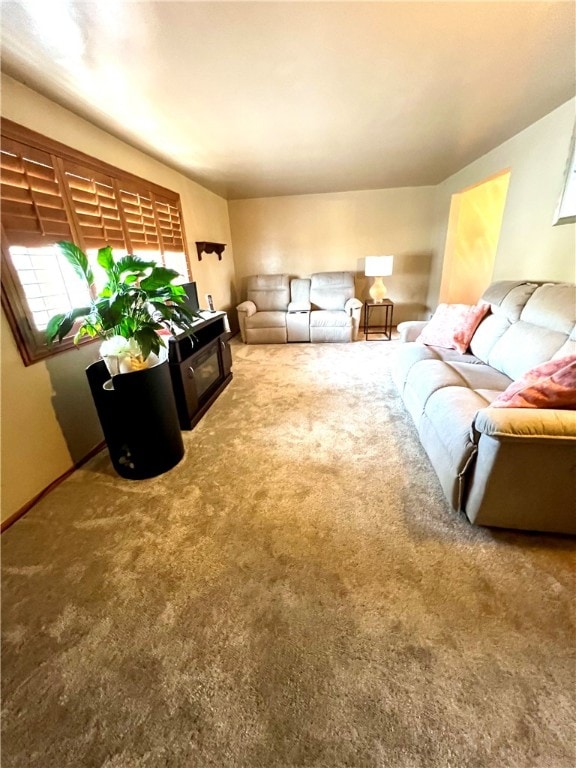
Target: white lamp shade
<point>378,266</point>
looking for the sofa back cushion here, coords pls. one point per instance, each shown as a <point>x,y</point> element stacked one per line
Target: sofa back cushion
<point>507,299</point>
<point>300,291</point>
<point>542,331</point>
<point>269,292</point>
<point>331,290</point>
<point>569,346</point>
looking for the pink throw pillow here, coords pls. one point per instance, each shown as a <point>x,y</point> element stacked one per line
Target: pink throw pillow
<point>550,385</point>
<point>452,325</point>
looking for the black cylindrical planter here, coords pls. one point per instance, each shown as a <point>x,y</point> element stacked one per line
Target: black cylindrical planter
<point>138,415</point>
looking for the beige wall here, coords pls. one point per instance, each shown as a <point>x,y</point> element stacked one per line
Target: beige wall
<point>48,419</point>
<point>529,246</point>
<point>327,232</point>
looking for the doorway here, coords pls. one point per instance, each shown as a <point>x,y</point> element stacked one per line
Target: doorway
<point>473,232</point>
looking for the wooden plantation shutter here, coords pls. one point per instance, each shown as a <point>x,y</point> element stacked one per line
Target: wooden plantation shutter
<point>123,214</point>
<point>33,212</point>
<point>34,216</point>
<point>152,221</point>
<point>138,213</point>
<point>169,224</point>
<point>93,201</point>
<point>51,192</point>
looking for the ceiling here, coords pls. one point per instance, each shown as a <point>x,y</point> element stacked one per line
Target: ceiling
<point>255,99</point>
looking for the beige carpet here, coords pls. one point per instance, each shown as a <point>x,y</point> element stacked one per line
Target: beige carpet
<point>295,594</point>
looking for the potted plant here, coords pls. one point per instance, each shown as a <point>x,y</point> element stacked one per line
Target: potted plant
<point>136,406</point>
<point>138,300</point>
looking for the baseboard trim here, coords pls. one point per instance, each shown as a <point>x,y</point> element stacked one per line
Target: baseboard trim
<point>29,504</point>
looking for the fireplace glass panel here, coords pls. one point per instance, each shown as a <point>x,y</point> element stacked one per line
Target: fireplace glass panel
<point>206,370</point>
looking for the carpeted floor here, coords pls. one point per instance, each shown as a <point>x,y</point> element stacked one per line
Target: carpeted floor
<point>296,593</point>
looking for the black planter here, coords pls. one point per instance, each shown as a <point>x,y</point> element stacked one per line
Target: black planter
<point>139,419</point>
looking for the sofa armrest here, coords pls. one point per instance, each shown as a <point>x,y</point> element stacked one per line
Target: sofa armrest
<point>352,304</point>
<point>299,306</point>
<point>248,307</point>
<point>353,307</point>
<point>523,473</point>
<point>409,330</point>
<point>518,423</point>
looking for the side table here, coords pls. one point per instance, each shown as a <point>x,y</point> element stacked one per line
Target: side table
<point>385,326</point>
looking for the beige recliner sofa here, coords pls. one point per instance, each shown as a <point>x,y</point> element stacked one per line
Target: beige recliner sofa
<point>504,467</point>
<point>321,308</point>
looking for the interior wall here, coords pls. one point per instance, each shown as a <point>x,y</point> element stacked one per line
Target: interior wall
<point>48,418</point>
<point>529,245</point>
<point>303,234</point>
<point>472,241</point>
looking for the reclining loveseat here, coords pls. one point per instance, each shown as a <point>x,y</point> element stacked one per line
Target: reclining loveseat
<point>320,308</point>
<point>511,467</point>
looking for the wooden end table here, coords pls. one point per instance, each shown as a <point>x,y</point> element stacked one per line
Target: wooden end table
<point>385,326</point>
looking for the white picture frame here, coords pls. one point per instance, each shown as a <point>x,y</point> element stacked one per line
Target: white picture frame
<point>566,209</point>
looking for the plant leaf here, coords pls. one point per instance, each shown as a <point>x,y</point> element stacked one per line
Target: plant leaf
<point>78,259</point>
<point>53,327</point>
<point>61,325</point>
<point>85,330</point>
<point>109,310</point>
<point>160,277</point>
<point>134,264</point>
<point>105,258</point>
<point>148,340</point>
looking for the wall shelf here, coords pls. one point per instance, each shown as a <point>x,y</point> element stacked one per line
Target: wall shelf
<point>205,247</point>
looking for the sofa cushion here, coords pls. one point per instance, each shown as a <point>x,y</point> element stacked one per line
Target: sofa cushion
<point>266,320</point>
<point>300,293</point>
<point>545,323</point>
<point>524,346</point>
<point>552,306</point>
<point>569,346</point>
<point>429,376</point>
<point>507,299</point>
<point>328,318</point>
<point>453,325</point>
<point>551,385</point>
<point>269,292</point>
<point>331,290</point>
<point>409,354</point>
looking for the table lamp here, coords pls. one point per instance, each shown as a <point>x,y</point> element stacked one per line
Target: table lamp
<point>378,267</point>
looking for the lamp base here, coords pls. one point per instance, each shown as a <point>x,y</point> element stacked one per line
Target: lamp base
<point>377,291</point>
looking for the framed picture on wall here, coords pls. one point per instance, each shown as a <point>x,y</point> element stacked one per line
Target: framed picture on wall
<point>566,210</point>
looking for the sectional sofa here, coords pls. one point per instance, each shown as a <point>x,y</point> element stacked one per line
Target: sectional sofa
<point>511,467</point>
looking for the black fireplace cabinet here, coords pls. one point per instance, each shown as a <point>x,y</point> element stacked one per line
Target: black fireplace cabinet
<point>200,366</point>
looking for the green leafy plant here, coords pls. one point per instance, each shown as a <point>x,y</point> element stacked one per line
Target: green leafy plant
<point>137,301</point>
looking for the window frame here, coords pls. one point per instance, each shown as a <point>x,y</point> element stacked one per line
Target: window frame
<point>29,340</point>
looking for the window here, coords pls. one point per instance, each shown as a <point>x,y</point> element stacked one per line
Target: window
<point>49,283</point>
<point>51,192</point>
